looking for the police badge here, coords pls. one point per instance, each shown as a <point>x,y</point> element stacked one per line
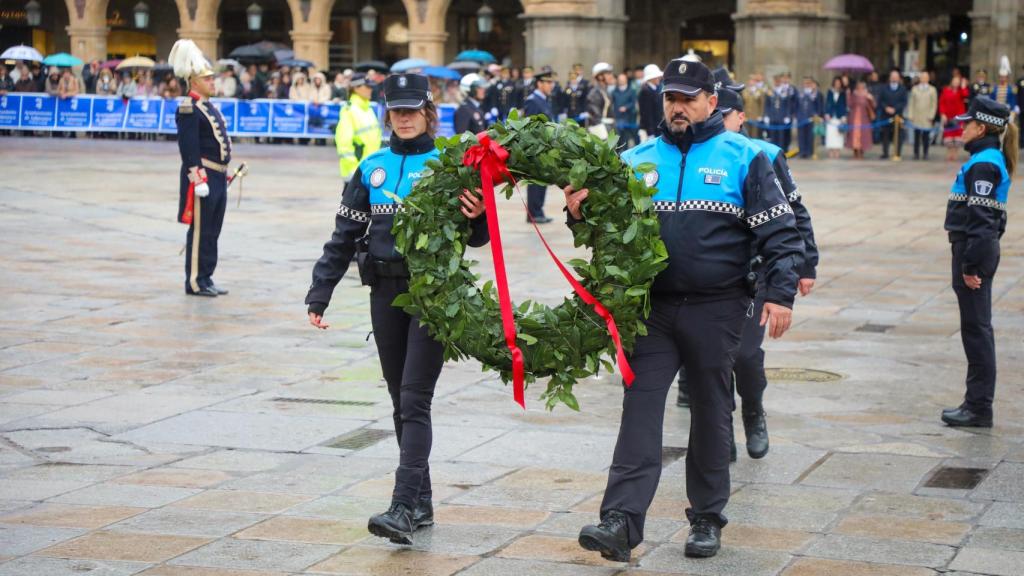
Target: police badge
<point>983,188</point>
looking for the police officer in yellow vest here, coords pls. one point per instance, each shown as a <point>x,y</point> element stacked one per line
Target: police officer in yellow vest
<point>358,134</point>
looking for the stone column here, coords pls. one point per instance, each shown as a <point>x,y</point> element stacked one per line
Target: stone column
<point>87,28</point>
<point>311,33</point>
<point>996,30</point>
<point>797,36</point>
<point>427,33</point>
<point>560,33</point>
<point>198,20</point>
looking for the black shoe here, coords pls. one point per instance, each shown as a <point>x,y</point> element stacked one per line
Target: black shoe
<point>952,410</point>
<point>683,400</point>
<point>610,537</point>
<point>395,524</point>
<point>423,514</point>
<point>220,291</point>
<point>756,429</point>
<point>207,291</point>
<point>704,540</point>
<point>538,219</point>
<point>966,417</point>
<point>883,157</point>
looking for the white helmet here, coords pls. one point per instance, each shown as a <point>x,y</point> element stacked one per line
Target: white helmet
<point>601,68</point>
<point>471,82</point>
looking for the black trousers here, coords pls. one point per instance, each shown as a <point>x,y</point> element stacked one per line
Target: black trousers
<point>805,135</point>
<point>887,135</point>
<point>976,331</point>
<point>781,138</point>
<point>922,138</point>
<point>704,337</point>
<point>535,199</point>
<point>201,241</point>
<point>411,360</point>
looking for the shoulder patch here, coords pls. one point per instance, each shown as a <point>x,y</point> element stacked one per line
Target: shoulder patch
<point>186,106</point>
<point>983,187</point>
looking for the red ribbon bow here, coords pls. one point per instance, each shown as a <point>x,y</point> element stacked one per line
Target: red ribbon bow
<point>490,159</point>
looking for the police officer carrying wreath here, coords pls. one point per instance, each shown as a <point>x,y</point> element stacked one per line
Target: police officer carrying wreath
<point>409,357</point>
<point>975,221</point>
<point>205,149</point>
<point>717,196</point>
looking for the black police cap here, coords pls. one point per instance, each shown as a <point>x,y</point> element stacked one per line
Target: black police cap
<point>728,101</point>
<point>359,79</point>
<point>724,80</point>
<point>687,77</point>
<point>987,111</point>
<point>411,91</point>
<point>545,73</point>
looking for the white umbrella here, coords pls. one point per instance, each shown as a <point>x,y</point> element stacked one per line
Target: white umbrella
<point>22,53</point>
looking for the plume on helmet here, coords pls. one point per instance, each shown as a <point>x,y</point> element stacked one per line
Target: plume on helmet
<point>187,60</point>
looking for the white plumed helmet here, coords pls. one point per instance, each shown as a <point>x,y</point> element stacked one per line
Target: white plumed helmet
<point>187,60</point>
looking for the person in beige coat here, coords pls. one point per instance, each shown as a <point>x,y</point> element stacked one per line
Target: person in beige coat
<point>301,90</point>
<point>924,101</point>
<point>321,90</point>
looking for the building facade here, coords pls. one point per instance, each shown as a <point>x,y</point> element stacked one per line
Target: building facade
<point>769,36</point>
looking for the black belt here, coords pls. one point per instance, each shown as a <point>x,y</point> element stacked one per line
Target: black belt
<point>386,269</point>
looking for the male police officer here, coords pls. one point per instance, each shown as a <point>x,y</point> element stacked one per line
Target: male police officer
<point>717,196</point>
<point>205,149</point>
<point>539,102</point>
<point>470,117</point>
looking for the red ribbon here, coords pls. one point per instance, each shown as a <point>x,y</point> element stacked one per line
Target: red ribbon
<point>490,158</point>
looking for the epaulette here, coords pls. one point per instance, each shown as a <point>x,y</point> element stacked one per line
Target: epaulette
<point>186,105</point>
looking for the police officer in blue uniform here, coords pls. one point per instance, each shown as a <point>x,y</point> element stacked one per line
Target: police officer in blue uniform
<point>539,102</point>
<point>410,358</point>
<point>717,196</point>
<point>470,117</point>
<point>205,149</point>
<point>975,221</point>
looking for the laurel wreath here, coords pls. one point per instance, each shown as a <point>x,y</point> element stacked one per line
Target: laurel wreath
<point>567,342</point>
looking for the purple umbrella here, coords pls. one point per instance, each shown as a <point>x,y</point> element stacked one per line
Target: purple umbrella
<point>852,62</point>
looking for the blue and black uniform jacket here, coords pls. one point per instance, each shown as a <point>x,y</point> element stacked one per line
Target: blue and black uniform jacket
<point>717,195</point>
<point>202,134</point>
<point>976,212</point>
<point>368,206</point>
<point>803,217</point>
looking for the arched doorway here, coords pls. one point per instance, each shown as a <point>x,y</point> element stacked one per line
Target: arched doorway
<point>130,34</point>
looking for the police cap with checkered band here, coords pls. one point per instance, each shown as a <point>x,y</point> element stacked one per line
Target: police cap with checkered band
<point>410,91</point>
<point>987,111</point>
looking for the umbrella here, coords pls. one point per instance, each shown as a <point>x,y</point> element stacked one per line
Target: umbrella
<point>225,62</point>
<point>284,54</point>
<point>136,62</point>
<point>62,60</point>
<point>22,53</point>
<point>852,62</point>
<point>111,64</point>
<point>163,69</point>
<point>467,66</point>
<point>368,65</point>
<point>476,56</point>
<point>442,72</point>
<point>408,64</point>
<point>296,63</point>
<point>251,52</point>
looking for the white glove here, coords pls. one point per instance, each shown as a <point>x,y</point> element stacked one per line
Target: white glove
<point>764,120</point>
<point>584,116</point>
<point>202,190</point>
<point>785,120</point>
<point>642,134</point>
<point>494,112</point>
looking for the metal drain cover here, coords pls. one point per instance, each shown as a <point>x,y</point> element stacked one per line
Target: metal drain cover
<point>324,401</point>
<point>801,375</point>
<point>359,439</point>
<point>956,478</point>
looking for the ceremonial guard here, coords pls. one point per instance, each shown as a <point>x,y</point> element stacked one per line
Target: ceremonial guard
<point>205,149</point>
<point>575,96</point>
<point>358,133</point>
<point>980,86</point>
<point>470,116</point>
<point>780,107</point>
<point>539,102</point>
<point>410,358</point>
<point>717,198</point>
<point>502,97</point>
<point>975,221</point>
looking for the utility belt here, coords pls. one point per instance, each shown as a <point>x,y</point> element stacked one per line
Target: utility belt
<point>215,166</point>
<point>371,270</point>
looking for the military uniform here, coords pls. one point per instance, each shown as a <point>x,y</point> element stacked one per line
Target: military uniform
<point>537,103</point>
<point>574,99</point>
<point>503,97</point>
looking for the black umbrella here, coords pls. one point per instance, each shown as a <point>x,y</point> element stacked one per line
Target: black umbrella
<point>162,69</point>
<point>251,53</point>
<point>368,65</point>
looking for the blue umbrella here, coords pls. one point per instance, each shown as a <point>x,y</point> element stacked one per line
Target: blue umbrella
<point>408,64</point>
<point>62,60</point>
<point>476,56</point>
<point>442,72</point>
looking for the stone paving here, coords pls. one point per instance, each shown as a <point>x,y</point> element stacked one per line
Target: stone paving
<point>146,432</point>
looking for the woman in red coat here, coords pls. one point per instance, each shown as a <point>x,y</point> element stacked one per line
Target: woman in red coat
<point>951,104</point>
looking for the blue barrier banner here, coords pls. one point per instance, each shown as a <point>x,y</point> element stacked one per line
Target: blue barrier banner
<point>272,118</point>
<point>144,115</point>
<point>38,112</point>
<point>10,110</point>
<point>253,118</point>
<point>108,114</point>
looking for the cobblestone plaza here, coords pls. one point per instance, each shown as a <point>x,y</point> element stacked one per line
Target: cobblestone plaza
<point>146,432</point>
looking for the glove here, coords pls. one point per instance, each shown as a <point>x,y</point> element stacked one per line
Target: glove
<point>489,117</point>
<point>562,117</point>
<point>642,134</point>
<point>785,120</point>
<point>494,112</point>
<point>764,120</point>
<point>584,116</point>
<point>202,190</point>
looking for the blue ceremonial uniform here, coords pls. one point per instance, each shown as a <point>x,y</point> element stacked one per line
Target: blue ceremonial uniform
<point>809,106</point>
<point>205,148</point>
<point>780,109</point>
<point>537,103</point>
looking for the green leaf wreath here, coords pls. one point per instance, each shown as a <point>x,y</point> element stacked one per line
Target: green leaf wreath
<point>569,341</point>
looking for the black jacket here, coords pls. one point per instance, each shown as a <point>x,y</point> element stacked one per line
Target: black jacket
<point>652,109</point>
<point>897,99</point>
<point>469,118</point>
<point>976,211</point>
<point>357,218</point>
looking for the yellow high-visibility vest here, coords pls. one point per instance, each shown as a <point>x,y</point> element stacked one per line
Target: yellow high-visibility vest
<point>358,134</point>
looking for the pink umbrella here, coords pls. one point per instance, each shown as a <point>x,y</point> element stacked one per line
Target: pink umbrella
<point>852,62</point>
<point>111,64</point>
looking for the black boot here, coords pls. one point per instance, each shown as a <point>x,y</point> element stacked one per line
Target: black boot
<point>423,514</point>
<point>967,418</point>
<point>610,537</point>
<point>704,540</point>
<point>395,524</point>
<point>756,429</point>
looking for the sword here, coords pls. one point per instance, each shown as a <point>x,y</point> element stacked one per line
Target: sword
<point>240,173</point>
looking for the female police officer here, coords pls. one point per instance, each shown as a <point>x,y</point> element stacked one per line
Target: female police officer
<point>976,220</point>
<point>410,359</point>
